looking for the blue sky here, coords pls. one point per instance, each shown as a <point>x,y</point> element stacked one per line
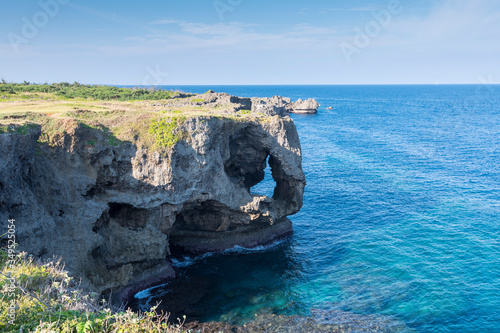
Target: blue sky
<point>250,41</point>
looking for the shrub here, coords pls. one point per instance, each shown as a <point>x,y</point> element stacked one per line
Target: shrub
<point>20,129</point>
<point>46,299</point>
<point>67,90</point>
<point>163,130</point>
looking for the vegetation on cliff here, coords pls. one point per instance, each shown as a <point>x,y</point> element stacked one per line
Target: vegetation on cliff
<point>147,118</point>
<point>164,131</point>
<point>65,170</point>
<point>76,90</point>
<point>21,129</point>
<point>41,297</point>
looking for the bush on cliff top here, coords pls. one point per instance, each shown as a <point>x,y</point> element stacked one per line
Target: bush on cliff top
<point>20,129</point>
<point>41,297</point>
<point>76,90</point>
<point>164,131</point>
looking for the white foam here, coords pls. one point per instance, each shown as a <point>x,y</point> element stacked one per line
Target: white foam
<point>147,293</point>
<point>187,261</point>
<point>143,294</point>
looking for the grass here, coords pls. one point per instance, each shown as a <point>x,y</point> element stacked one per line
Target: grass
<point>65,90</point>
<point>151,124</point>
<point>41,297</point>
<point>155,131</point>
<point>20,129</point>
<point>164,132</point>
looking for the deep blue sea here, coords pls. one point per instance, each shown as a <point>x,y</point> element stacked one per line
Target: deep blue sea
<point>401,213</point>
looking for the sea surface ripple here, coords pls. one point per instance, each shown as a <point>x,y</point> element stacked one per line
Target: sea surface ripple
<point>401,213</point>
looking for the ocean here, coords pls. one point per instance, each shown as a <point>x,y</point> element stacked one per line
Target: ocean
<point>401,215</point>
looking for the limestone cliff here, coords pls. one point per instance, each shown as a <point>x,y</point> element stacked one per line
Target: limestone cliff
<point>115,212</point>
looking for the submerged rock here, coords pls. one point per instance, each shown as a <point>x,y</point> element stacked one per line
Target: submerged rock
<point>338,322</point>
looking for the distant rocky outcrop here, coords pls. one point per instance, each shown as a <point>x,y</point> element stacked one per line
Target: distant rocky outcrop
<point>228,104</point>
<point>276,105</point>
<point>224,103</point>
<point>307,106</point>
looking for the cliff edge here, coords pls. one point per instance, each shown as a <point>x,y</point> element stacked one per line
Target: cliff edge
<point>116,193</point>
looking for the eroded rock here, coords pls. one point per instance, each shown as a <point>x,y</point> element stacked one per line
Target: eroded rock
<point>116,213</point>
<point>228,104</point>
<point>276,105</point>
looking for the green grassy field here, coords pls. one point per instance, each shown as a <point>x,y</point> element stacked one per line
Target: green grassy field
<point>146,117</point>
<point>66,90</point>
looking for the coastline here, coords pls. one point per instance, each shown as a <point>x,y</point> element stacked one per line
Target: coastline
<point>146,172</point>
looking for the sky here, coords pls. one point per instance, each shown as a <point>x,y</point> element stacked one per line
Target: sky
<point>217,42</point>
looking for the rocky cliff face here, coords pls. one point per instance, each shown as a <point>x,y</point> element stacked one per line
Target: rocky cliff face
<point>115,214</point>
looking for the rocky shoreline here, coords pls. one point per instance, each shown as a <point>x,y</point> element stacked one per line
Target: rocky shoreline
<point>115,210</point>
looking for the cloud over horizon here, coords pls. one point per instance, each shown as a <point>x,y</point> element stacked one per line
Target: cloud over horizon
<point>447,41</point>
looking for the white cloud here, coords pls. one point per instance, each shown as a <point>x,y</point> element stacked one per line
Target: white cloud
<point>162,22</point>
<point>227,37</point>
<point>451,25</point>
<point>454,41</point>
<point>305,29</point>
<point>111,17</point>
<point>355,9</point>
<point>304,11</point>
<point>212,29</point>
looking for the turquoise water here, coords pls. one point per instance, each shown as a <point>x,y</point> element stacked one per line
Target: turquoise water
<point>401,214</point>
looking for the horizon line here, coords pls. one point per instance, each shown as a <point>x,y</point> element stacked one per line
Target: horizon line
<point>310,84</point>
<point>272,84</point>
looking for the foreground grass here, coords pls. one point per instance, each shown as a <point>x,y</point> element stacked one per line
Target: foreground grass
<point>41,297</point>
